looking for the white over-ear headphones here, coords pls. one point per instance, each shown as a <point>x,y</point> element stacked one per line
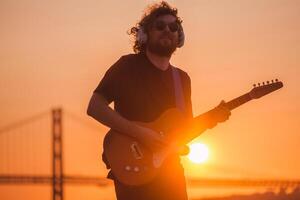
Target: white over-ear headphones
<point>142,36</point>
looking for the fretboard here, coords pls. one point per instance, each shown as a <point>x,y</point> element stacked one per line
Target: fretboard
<point>238,101</point>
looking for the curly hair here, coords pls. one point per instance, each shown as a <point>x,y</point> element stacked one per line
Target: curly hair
<point>151,13</point>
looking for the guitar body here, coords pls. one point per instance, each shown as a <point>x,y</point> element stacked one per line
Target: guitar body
<point>131,162</point>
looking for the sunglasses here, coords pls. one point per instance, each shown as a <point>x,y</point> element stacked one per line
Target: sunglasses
<point>161,25</point>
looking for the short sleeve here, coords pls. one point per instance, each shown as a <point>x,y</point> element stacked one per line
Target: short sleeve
<point>109,86</point>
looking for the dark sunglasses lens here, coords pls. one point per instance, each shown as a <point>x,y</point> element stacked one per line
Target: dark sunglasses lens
<point>173,27</point>
<point>160,26</point>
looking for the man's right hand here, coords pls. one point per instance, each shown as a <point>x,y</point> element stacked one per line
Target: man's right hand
<point>152,139</point>
<point>99,109</point>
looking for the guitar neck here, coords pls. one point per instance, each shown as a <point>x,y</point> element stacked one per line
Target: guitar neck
<point>234,103</point>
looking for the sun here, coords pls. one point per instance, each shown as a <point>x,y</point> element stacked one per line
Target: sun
<point>198,153</point>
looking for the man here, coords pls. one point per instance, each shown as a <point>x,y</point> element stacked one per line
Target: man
<point>141,86</point>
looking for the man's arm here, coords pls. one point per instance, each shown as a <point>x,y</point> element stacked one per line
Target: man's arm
<point>99,109</point>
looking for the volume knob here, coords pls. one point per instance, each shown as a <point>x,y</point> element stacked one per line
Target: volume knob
<point>136,169</point>
<point>127,168</point>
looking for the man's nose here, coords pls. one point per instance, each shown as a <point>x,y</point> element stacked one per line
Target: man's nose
<point>167,28</point>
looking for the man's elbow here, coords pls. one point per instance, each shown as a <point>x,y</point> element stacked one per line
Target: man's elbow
<point>91,107</point>
<point>89,111</point>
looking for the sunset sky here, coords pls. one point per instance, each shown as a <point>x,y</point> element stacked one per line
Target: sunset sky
<point>54,53</point>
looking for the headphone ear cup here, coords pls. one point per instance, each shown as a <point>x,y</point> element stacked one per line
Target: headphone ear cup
<point>142,36</point>
<point>181,37</point>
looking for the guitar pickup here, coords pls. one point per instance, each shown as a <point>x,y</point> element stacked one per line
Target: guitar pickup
<point>136,151</point>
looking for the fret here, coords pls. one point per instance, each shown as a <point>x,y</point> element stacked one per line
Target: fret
<point>238,101</point>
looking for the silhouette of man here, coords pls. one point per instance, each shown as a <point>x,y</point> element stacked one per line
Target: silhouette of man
<point>141,86</point>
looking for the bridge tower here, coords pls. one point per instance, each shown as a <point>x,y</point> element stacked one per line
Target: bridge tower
<point>57,155</point>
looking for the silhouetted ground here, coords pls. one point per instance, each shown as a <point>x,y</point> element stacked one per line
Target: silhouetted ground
<point>282,195</point>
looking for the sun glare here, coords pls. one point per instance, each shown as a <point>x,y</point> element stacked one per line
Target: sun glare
<point>198,153</point>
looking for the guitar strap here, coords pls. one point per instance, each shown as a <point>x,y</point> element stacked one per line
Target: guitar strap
<point>179,97</point>
<point>180,103</point>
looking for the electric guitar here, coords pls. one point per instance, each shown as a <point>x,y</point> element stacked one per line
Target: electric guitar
<point>132,163</point>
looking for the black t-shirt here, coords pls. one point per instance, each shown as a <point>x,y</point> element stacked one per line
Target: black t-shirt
<point>140,91</point>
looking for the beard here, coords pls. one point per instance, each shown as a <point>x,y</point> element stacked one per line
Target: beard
<point>162,48</point>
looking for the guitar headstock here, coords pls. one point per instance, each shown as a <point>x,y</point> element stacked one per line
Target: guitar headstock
<point>264,88</point>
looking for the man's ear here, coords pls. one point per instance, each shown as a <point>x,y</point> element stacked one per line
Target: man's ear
<point>142,36</point>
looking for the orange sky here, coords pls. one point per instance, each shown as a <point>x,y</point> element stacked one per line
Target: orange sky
<point>55,53</point>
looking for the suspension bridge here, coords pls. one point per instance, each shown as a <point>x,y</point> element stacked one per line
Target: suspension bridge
<point>32,151</point>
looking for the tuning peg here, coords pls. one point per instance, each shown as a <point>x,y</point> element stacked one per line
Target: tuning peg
<point>263,83</point>
<point>254,85</point>
<point>272,81</point>
<point>268,82</point>
<point>276,80</point>
<point>258,84</point>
